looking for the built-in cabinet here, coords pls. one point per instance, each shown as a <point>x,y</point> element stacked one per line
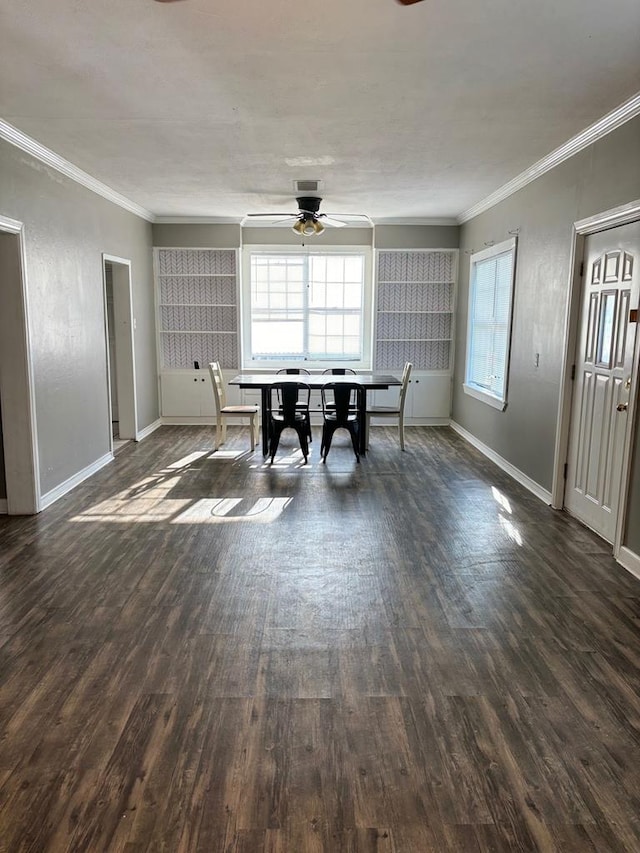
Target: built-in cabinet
<point>187,395</point>
<point>415,304</point>
<point>197,304</point>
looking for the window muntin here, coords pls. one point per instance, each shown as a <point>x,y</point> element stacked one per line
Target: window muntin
<point>489,323</point>
<point>306,306</point>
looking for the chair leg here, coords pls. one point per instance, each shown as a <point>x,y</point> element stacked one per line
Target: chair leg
<point>276,432</point>
<point>327,436</point>
<point>218,439</point>
<point>302,429</point>
<point>353,431</point>
<point>401,431</point>
<point>252,432</point>
<point>367,418</point>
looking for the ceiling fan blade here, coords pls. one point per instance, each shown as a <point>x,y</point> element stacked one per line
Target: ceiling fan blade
<point>408,2</point>
<point>345,218</point>
<point>271,215</point>
<point>272,219</point>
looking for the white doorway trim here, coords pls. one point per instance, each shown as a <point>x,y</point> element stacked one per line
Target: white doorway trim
<point>125,378</point>
<point>600,222</point>
<point>22,468</point>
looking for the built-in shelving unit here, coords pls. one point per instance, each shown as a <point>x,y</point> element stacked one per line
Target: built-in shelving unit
<point>197,307</point>
<point>415,302</point>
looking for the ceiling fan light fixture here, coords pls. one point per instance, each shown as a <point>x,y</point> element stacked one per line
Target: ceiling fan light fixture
<point>307,226</point>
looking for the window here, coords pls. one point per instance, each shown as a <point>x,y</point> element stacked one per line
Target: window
<point>489,325</point>
<point>305,306</point>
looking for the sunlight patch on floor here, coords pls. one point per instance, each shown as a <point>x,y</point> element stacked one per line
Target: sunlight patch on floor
<point>501,500</point>
<point>225,510</point>
<point>510,529</point>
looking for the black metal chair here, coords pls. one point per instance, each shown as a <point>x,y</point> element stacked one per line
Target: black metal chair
<point>339,371</point>
<point>287,409</point>
<point>340,411</point>
<point>298,371</point>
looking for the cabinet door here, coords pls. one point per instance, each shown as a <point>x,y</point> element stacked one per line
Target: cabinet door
<point>207,402</point>
<point>180,394</point>
<point>429,396</point>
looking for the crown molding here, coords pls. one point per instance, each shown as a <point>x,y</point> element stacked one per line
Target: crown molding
<point>196,220</point>
<point>622,114</point>
<point>442,220</point>
<point>25,143</point>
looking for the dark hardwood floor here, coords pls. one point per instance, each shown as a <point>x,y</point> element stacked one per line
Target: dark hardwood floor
<point>199,652</point>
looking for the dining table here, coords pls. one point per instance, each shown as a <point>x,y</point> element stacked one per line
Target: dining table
<point>315,381</point>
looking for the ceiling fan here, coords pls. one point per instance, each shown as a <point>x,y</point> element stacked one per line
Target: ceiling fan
<point>308,220</point>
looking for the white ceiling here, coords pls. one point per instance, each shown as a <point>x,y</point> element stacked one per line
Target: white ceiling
<point>213,108</point>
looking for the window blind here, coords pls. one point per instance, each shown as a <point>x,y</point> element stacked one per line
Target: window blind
<point>489,323</point>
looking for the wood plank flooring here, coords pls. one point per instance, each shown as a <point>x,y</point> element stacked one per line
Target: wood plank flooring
<point>200,652</point>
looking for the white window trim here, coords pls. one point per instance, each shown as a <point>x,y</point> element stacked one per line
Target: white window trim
<point>257,365</point>
<point>497,402</point>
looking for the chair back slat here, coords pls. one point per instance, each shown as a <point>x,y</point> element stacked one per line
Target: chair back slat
<point>286,397</point>
<point>217,381</point>
<point>340,400</point>
<point>406,373</point>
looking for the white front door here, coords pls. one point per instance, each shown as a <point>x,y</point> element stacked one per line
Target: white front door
<point>603,377</point>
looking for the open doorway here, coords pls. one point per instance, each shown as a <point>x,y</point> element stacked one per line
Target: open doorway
<point>19,489</point>
<point>119,329</point>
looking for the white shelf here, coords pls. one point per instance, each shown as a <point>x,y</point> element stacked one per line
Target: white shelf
<point>195,332</point>
<point>196,275</point>
<point>197,305</point>
<point>414,341</point>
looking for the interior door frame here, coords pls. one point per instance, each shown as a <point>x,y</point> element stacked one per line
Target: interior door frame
<point>125,378</point>
<point>19,426</point>
<point>622,215</point>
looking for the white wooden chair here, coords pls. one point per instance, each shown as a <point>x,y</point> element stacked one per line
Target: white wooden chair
<point>393,411</point>
<point>223,411</point>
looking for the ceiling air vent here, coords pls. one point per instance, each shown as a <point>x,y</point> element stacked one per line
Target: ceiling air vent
<point>306,186</point>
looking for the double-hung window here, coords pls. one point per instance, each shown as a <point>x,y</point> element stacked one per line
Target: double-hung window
<point>305,306</point>
<point>489,323</point>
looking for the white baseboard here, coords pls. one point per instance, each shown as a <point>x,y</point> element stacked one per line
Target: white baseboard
<point>4,508</point>
<point>49,498</point>
<point>629,560</point>
<point>143,433</point>
<point>510,469</point>
<point>189,420</point>
<point>409,422</point>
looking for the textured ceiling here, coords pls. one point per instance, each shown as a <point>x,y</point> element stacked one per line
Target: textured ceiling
<point>214,107</point>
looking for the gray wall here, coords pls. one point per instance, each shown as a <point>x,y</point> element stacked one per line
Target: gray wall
<point>417,237</point>
<point>231,236</point>
<point>67,228</point>
<point>603,176</point>
<point>199,236</point>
